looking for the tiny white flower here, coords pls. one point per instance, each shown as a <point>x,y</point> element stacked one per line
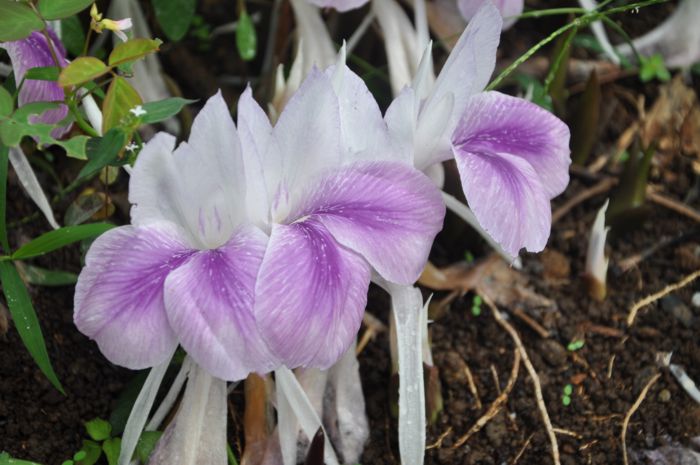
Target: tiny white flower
<point>131,147</point>
<point>138,111</point>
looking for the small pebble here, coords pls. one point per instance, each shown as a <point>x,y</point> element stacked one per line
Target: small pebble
<point>664,395</point>
<point>696,300</point>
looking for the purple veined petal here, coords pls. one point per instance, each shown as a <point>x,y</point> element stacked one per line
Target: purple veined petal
<point>31,52</point>
<point>119,295</point>
<point>496,123</point>
<point>339,5</point>
<point>308,130</point>
<point>200,186</point>
<point>466,72</point>
<point>209,302</point>
<point>387,212</point>
<point>310,295</point>
<point>507,8</point>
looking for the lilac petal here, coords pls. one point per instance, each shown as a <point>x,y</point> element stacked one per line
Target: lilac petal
<point>507,8</point>
<point>310,295</point>
<point>31,52</point>
<point>495,123</point>
<point>119,295</point>
<point>339,5</point>
<point>388,212</point>
<point>212,317</point>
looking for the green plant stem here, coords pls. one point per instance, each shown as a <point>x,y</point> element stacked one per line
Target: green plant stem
<point>81,122</point>
<point>557,61</point>
<point>552,12</point>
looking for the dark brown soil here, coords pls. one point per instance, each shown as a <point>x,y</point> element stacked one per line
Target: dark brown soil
<point>607,374</point>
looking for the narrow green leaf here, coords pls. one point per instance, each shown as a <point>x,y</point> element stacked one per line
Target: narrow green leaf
<point>43,73</point>
<point>26,321</point>
<point>163,109</point>
<point>102,151</point>
<point>6,102</point>
<point>4,158</point>
<point>82,70</point>
<point>58,238</point>
<point>584,123</point>
<point>98,429</point>
<point>121,97</point>
<point>73,35</point>
<point>59,9</point>
<point>174,16</point>
<point>17,20</point>
<point>111,448</point>
<point>246,39</point>
<point>147,442</point>
<point>133,50</point>
<point>45,277</point>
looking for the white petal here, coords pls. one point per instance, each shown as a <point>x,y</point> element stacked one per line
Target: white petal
<point>31,185</point>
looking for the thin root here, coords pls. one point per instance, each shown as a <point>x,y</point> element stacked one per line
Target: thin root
<point>472,386</point>
<point>438,443</point>
<point>657,295</point>
<point>630,412</point>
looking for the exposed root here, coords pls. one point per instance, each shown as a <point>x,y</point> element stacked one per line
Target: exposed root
<point>522,449</point>
<point>674,205</point>
<point>532,323</point>
<point>497,404</point>
<point>472,386</point>
<point>603,185</point>
<point>531,371</point>
<point>657,295</point>
<point>438,443</point>
<point>630,412</point>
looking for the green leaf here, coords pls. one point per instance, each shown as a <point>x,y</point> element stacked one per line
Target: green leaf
<point>52,240</point>
<point>43,73</point>
<point>75,147</point>
<point>246,39</point>
<point>44,277</point>
<point>59,9</point>
<point>73,35</point>
<point>133,50</point>
<point>6,102</point>
<point>163,109</point>
<point>92,450</point>
<point>5,459</point>
<point>111,448</point>
<point>82,70</point>
<point>121,97</point>
<point>174,16</point>
<point>4,158</point>
<point>98,429</point>
<point>585,121</point>
<point>25,319</point>
<point>147,442</point>
<point>17,20</point>
<point>102,151</point>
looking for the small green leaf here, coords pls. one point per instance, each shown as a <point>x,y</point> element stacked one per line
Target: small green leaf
<point>133,50</point>
<point>476,311</point>
<point>477,301</point>
<point>147,442</point>
<point>58,238</point>
<point>568,389</point>
<point>102,151</point>
<point>82,70</point>
<point>111,448</point>
<point>92,450</point>
<point>75,147</point>
<point>26,321</point>
<point>121,97</point>
<point>17,20</point>
<point>98,429</point>
<point>45,277</point>
<point>653,67</point>
<point>43,73</point>
<point>174,16</point>
<point>246,39</point>
<point>163,109</point>
<point>5,459</point>
<point>80,455</point>
<point>59,9</point>
<point>575,345</point>
<point>566,401</point>
<point>6,102</point>
<point>73,35</point>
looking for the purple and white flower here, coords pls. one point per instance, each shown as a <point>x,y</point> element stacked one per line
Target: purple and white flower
<point>509,9</point>
<point>32,52</point>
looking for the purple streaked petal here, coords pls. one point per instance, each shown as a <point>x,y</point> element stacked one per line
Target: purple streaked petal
<point>507,8</point>
<point>496,123</point>
<point>310,295</point>
<point>119,295</point>
<point>31,52</point>
<point>387,212</point>
<point>339,5</point>
<point>209,302</point>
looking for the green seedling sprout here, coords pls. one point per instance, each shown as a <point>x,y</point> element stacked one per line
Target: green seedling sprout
<point>476,305</point>
<point>576,344</point>
<point>566,396</point>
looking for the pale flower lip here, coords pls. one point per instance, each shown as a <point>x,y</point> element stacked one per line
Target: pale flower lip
<point>508,9</point>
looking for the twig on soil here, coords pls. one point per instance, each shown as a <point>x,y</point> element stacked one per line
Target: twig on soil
<point>496,381</point>
<point>438,443</point>
<point>472,385</point>
<point>630,262</point>
<point>531,322</point>
<point>630,412</point>
<point>531,370</point>
<point>522,449</point>
<point>495,407</point>
<point>566,432</point>
<point>657,295</point>
<point>602,186</point>
<point>611,364</point>
<point>672,204</point>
